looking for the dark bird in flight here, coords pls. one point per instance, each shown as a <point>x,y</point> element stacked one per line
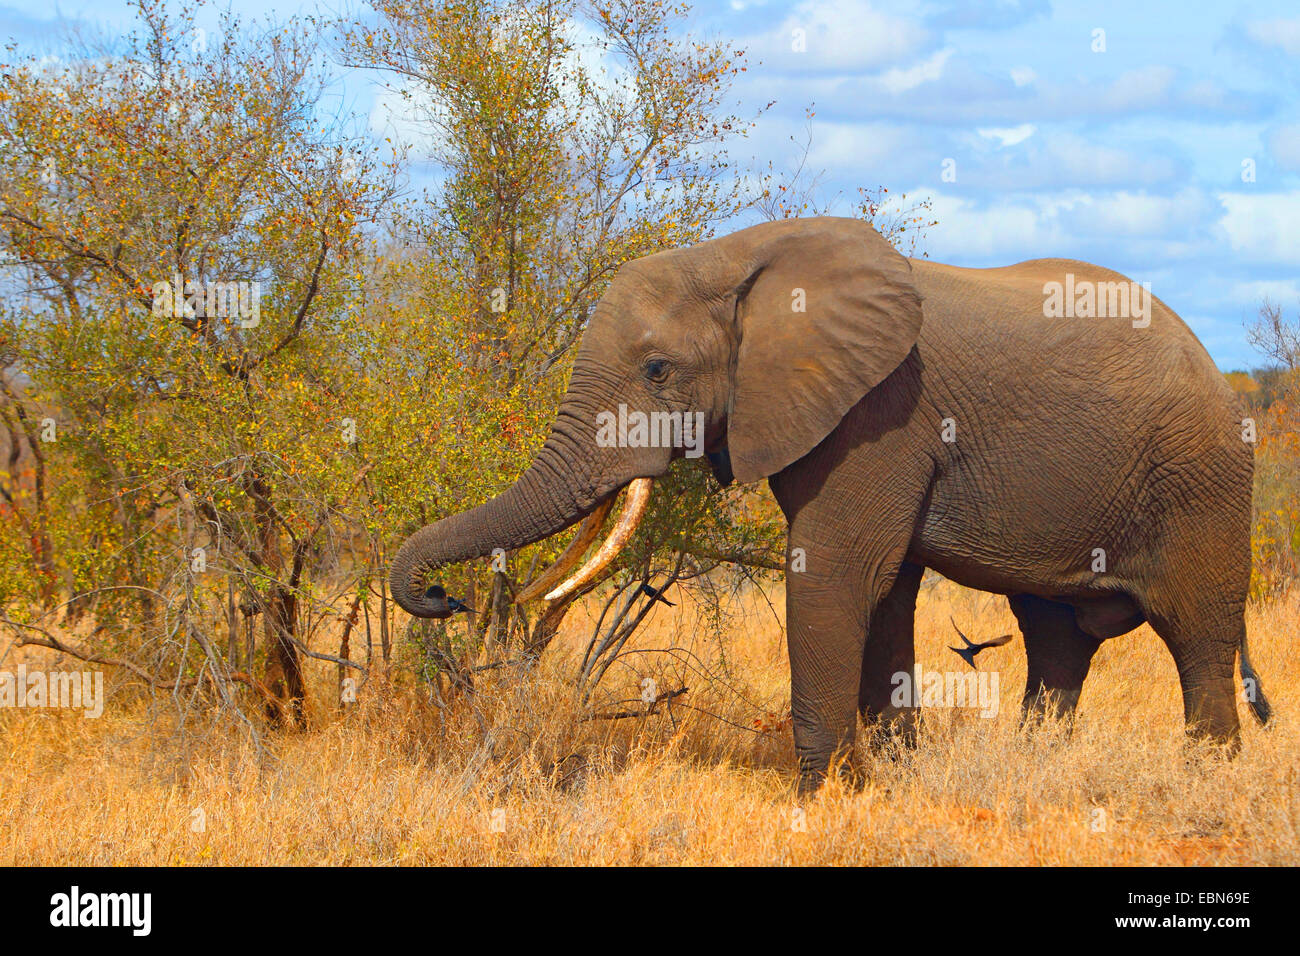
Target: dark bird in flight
<point>655,595</point>
<point>972,648</point>
<point>445,603</point>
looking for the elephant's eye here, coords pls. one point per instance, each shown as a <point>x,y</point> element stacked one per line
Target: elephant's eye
<point>656,370</point>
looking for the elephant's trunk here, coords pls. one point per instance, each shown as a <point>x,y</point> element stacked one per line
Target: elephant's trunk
<point>545,500</point>
<point>571,475</point>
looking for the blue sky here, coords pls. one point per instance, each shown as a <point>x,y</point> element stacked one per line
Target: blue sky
<point>1131,157</point>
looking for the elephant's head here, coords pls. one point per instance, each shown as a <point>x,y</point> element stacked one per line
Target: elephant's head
<point>767,337</point>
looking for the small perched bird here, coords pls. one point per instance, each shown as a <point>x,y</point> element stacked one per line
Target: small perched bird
<point>972,648</point>
<point>445,603</point>
<point>656,595</point>
<point>458,606</point>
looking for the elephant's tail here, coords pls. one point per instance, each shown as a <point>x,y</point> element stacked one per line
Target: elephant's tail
<point>1259,704</point>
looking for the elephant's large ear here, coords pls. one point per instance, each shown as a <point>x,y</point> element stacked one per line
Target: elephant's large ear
<point>826,311</point>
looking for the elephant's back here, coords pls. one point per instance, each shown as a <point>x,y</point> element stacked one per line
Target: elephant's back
<point>1026,309</point>
<point>1057,391</point>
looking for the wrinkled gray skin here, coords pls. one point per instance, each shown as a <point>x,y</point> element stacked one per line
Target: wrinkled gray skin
<point>1071,434</point>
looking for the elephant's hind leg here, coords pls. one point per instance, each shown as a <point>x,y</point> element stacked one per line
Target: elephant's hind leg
<point>1197,604</point>
<point>1203,637</point>
<point>891,650</point>
<point>1059,655</point>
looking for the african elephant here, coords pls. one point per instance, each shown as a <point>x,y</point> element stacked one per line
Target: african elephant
<point>912,415</point>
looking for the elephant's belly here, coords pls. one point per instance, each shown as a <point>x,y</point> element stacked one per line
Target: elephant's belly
<point>972,573</point>
<point>1099,612</point>
<point>1109,616</point>
<point>1045,564</point>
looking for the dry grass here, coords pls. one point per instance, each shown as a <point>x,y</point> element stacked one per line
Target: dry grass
<point>525,781</point>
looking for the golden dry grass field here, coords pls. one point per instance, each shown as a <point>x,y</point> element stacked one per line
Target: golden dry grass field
<point>705,781</point>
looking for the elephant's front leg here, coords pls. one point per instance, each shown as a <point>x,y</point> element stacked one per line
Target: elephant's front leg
<point>826,629</point>
<point>829,604</point>
<point>851,522</point>
<point>890,651</point>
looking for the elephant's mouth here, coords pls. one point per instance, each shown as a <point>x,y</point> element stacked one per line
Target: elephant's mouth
<point>638,497</point>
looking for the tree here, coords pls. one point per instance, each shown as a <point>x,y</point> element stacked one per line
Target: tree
<point>182,227</point>
<point>1276,536</point>
<point>555,176</point>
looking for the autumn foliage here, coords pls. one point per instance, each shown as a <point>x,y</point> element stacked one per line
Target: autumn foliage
<point>244,357</point>
<point>1272,398</point>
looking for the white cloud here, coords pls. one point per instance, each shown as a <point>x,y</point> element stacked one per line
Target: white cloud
<point>1032,158</point>
<point>1070,223</point>
<point>1279,33</point>
<point>858,146</point>
<point>1278,291</point>
<point>1009,136</point>
<point>1265,227</point>
<point>839,36</point>
<point>1206,94</point>
<point>970,231</point>
<point>1145,215</point>
<point>1023,76</point>
<point>1142,88</point>
<point>1075,159</point>
<point>927,71</point>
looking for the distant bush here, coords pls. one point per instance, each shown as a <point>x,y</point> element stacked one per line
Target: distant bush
<point>1273,395</point>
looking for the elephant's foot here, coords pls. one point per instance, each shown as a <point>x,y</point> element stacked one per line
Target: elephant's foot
<point>1210,713</point>
<point>815,769</point>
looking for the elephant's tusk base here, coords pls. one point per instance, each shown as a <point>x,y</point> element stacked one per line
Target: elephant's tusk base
<point>587,533</point>
<point>638,497</point>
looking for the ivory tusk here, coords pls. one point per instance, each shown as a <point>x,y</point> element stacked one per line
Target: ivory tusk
<point>587,533</point>
<point>638,496</point>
